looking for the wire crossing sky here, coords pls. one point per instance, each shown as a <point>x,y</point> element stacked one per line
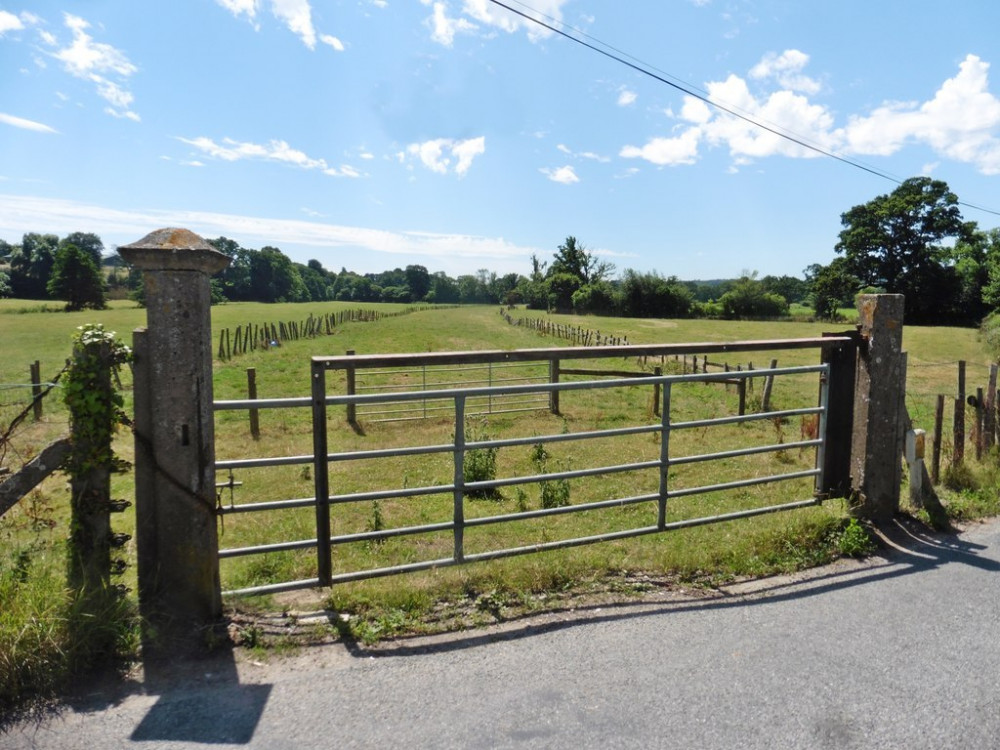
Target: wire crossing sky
<point>470,134</point>
<point>609,51</point>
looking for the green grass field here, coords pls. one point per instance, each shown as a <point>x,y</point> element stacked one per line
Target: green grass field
<point>32,534</point>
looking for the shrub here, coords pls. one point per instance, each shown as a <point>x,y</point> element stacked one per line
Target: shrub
<point>855,540</point>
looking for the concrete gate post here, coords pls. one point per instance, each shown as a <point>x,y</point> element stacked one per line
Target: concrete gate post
<point>879,416</point>
<point>176,535</point>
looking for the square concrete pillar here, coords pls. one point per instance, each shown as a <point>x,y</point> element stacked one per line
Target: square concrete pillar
<point>176,534</point>
<point>879,417</point>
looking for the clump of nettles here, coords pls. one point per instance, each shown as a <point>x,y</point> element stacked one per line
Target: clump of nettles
<point>554,492</point>
<point>480,464</point>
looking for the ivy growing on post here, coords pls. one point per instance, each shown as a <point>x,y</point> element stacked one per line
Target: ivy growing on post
<point>96,411</point>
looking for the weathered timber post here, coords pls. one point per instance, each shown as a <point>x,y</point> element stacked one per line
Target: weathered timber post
<point>176,535</point>
<point>765,398</point>
<point>351,375</point>
<point>252,396</point>
<point>657,371</point>
<point>980,440</point>
<point>554,378</point>
<point>936,444</point>
<point>36,389</point>
<point>876,446</point>
<point>989,410</point>
<point>90,480</point>
<point>958,428</point>
<point>839,415</point>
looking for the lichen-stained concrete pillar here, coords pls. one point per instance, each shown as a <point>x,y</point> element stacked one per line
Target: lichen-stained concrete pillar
<point>176,536</point>
<point>879,419</point>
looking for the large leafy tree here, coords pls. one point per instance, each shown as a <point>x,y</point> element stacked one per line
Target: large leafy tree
<point>748,298</point>
<point>650,295</point>
<point>896,242</point>
<point>574,259</point>
<point>235,278</point>
<point>76,279</point>
<point>991,288</point>
<point>832,287</point>
<point>31,265</point>
<point>89,242</point>
<point>418,281</point>
<point>274,278</point>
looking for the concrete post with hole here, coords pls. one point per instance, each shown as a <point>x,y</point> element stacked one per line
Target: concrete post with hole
<point>176,537</point>
<point>879,413</point>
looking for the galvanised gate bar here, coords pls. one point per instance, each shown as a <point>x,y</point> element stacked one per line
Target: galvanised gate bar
<point>828,473</point>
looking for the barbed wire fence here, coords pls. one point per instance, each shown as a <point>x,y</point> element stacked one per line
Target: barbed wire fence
<point>20,408</point>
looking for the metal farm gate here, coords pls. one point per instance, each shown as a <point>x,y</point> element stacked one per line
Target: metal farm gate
<point>826,426</point>
<point>826,474</point>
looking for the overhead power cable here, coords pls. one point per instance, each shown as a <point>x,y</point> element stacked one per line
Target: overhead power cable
<point>619,56</point>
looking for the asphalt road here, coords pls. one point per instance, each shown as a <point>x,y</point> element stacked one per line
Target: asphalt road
<point>898,652</point>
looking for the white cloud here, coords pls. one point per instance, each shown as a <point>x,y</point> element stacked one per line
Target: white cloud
<point>786,69</point>
<point>297,16</point>
<point>466,151</point>
<point>84,57</point>
<point>20,214</point>
<point>332,41</point>
<point>275,150</point>
<point>20,122</point>
<point>582,155</point>
<point>563,175</point>
<point>443,28</point>
<point>627,98</point>
<point>241,7</point>
<point>438,154</point>
<point>682,149</point>
<point>9,22</point>
<point>492,15</point>
<point>960,122</point>
<point>98,63</point>
<point>484,14</point>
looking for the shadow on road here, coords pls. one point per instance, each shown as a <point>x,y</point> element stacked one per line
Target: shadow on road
<point>907,549</point>
<point>215,709</point>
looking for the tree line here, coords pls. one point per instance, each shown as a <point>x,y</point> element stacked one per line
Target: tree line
<point>912,241</point>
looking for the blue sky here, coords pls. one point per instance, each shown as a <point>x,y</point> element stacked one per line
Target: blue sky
<point>372,134</point>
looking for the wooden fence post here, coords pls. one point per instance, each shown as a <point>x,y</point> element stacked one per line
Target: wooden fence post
<point>842,360</point>
<point>958,428</point>
<point>979,424</point>
<point>765,399</point>
<point>936,445</point>
<point>90,486</point>
<point>989,410</point>
<point>554,378</point>
<point>36,390</point>
<point>351,375</point>
<point>657,371</point>
<point>252,394</point>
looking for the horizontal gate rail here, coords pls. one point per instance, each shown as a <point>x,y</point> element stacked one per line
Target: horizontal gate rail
<point>455,401</point>
<point>361,361</point>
